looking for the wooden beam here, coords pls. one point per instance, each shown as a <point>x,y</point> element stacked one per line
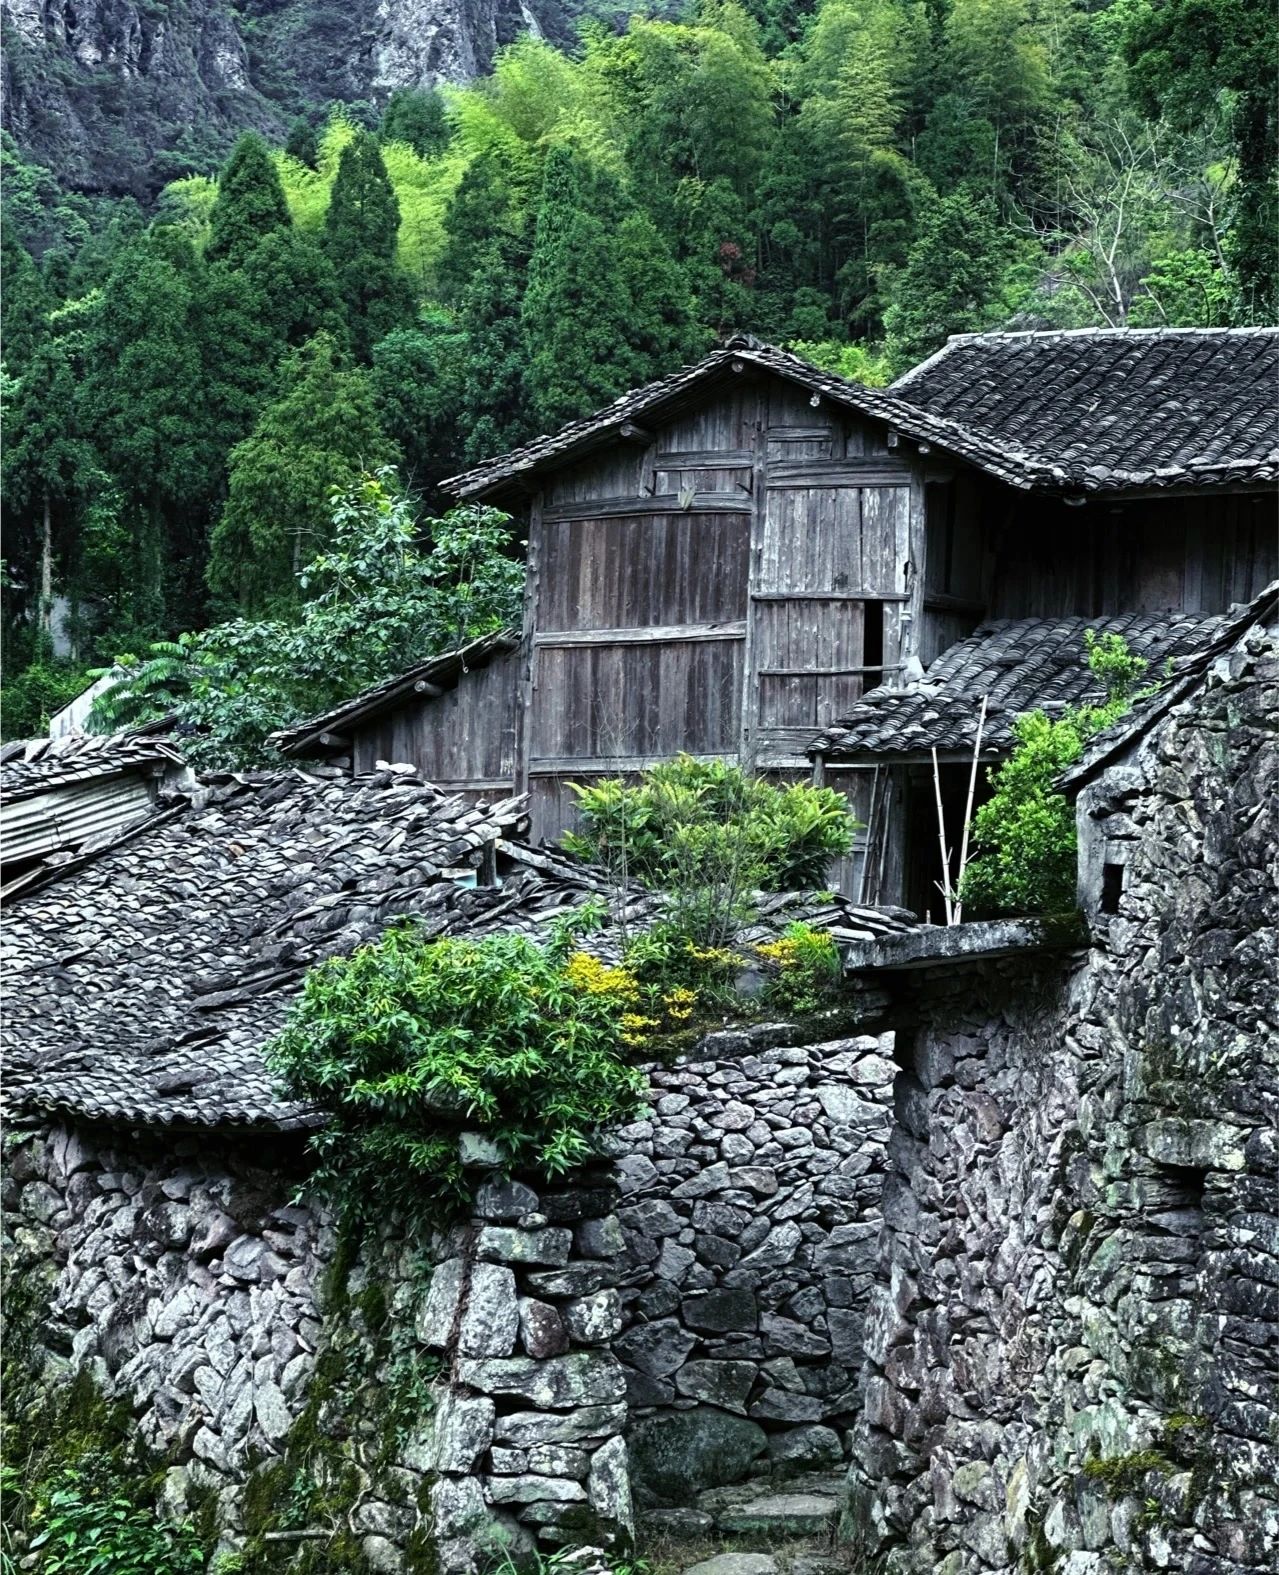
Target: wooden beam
<point>666,635</point>
<point>607,765</point>
<point>836,473</point>
<point>650,503</point>
<point>424,687</point>
<point>830,596</point>
<point>825,672</point>
<point>632,432</point>
<point>705,459</point>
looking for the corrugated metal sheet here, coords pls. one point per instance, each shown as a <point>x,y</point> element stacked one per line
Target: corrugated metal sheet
<point>68,817</point>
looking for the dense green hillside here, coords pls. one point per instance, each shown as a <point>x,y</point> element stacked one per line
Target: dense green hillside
<point>183,385</point>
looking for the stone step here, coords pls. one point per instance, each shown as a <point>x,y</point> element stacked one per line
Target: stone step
<point>795,1514</point>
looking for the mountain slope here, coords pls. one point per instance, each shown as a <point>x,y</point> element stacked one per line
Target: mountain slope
<point>123,95</point>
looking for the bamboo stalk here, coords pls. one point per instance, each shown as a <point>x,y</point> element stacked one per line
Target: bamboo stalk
<point>944,883</point>
<point>968,807</point>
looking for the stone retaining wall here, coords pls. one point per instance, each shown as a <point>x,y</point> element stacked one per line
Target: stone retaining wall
<point>1071,1350</point>
<point>750,1211</point>
<point>477,1381</point>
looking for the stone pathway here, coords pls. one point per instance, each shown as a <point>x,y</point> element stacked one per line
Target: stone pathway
<point>793,1512</point>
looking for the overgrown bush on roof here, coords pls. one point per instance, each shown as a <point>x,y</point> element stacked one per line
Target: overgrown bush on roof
<point>709,836</point>
<point>1025,854</point>
<point>409,1041</point>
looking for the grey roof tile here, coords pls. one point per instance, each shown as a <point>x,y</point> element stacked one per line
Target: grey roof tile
<point>1081,411</point>
<point>1019,664</point>
<point>142,989</point>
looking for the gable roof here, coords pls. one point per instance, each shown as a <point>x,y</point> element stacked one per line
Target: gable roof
<point>1111,408</point>
<point>1019,664</point>
<point>1087,410</point>
<point>433,675</point>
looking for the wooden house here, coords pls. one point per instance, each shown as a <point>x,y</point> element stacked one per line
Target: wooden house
<point>737,560</point>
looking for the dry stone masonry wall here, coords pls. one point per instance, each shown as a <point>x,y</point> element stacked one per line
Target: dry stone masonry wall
<point>750,1215</point>
<point>1071,1352</point>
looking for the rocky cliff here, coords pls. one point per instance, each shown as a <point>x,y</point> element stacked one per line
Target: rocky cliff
<point>122,95</point>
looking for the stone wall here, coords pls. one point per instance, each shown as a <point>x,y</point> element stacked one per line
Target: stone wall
<point>457,1384</point>
<point>475,1384</point>
<point>1071,1349</point>
<point>750,1212</point>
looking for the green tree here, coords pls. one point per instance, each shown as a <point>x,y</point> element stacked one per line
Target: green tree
<point>416,116</point>
<point>303,144</point>
<point>360,232</point>
<point>958,279</point>
<point>373,602</point>
<point>596,322</point>
<point>250,203</point>
<point>320,433</point>
<point>417,378</point>
<point>1186,59</point>
<point>141,402</point>
<point>291,279</point>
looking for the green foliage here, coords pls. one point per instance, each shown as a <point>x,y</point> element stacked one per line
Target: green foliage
<point>858,177</point>
<point>250,203</point>
<point>375,602</point>
<point>418,118</point>
<point>361,230</point>
<point>320,434</point>
<point>29,698</point>
<point>1023,837</point>
<point>807,968</point>
<point>709,836</point>
<point>89,1524</point>
<point>408,1040</point>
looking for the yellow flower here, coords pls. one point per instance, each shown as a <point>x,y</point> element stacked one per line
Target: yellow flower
<point>597,978</point>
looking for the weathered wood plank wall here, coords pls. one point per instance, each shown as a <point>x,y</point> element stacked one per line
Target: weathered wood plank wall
<point>726,587</point>
<point>463,739</point>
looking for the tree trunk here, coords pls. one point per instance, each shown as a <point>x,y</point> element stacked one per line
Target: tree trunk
<point>44,616</point>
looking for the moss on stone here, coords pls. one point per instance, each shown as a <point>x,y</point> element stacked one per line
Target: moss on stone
<point>1122,1475</point>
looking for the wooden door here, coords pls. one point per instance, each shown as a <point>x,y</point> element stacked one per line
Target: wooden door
<point>828,593</point>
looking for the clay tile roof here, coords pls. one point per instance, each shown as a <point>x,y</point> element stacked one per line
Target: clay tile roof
<point>1115,408</point>
<point>38,765</point>
<point>143,990</point>
<point>1020,664</point>
<point>1081,411</point>
<point>440,672</point>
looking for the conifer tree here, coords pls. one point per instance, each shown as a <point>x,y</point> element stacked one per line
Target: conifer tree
<point>416,117</point>
<point>321,433</point>
<point>596,322</point>
<point>303,144</point>
<point>250,203</point>
<point>360,233</point>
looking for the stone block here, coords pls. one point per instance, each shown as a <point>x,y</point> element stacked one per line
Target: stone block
<point>725,1311</point>
<point>583,1378</point>
<point>655,1348</point>
<point>506,1244</point>
<point>463,1431</point>
<point>609,1486</point>
<point>535,1489</point>
<point>526,1429</point>
<point>542,1329</point>
<point>600,1238</point>
<point>490,1317</point>
<point>723,1384</point>
<point>676,1455</point>
<point>593,1320</point>
<point>438,1313</point>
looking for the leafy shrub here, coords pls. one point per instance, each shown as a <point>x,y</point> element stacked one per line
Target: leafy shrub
<point>1024,859</point>
<point>709,836</point>
<point>807,968</point>
<point>88,1524</point>
<point>408,1040</point>
<point>376,602</point>
<point>32,696</point>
